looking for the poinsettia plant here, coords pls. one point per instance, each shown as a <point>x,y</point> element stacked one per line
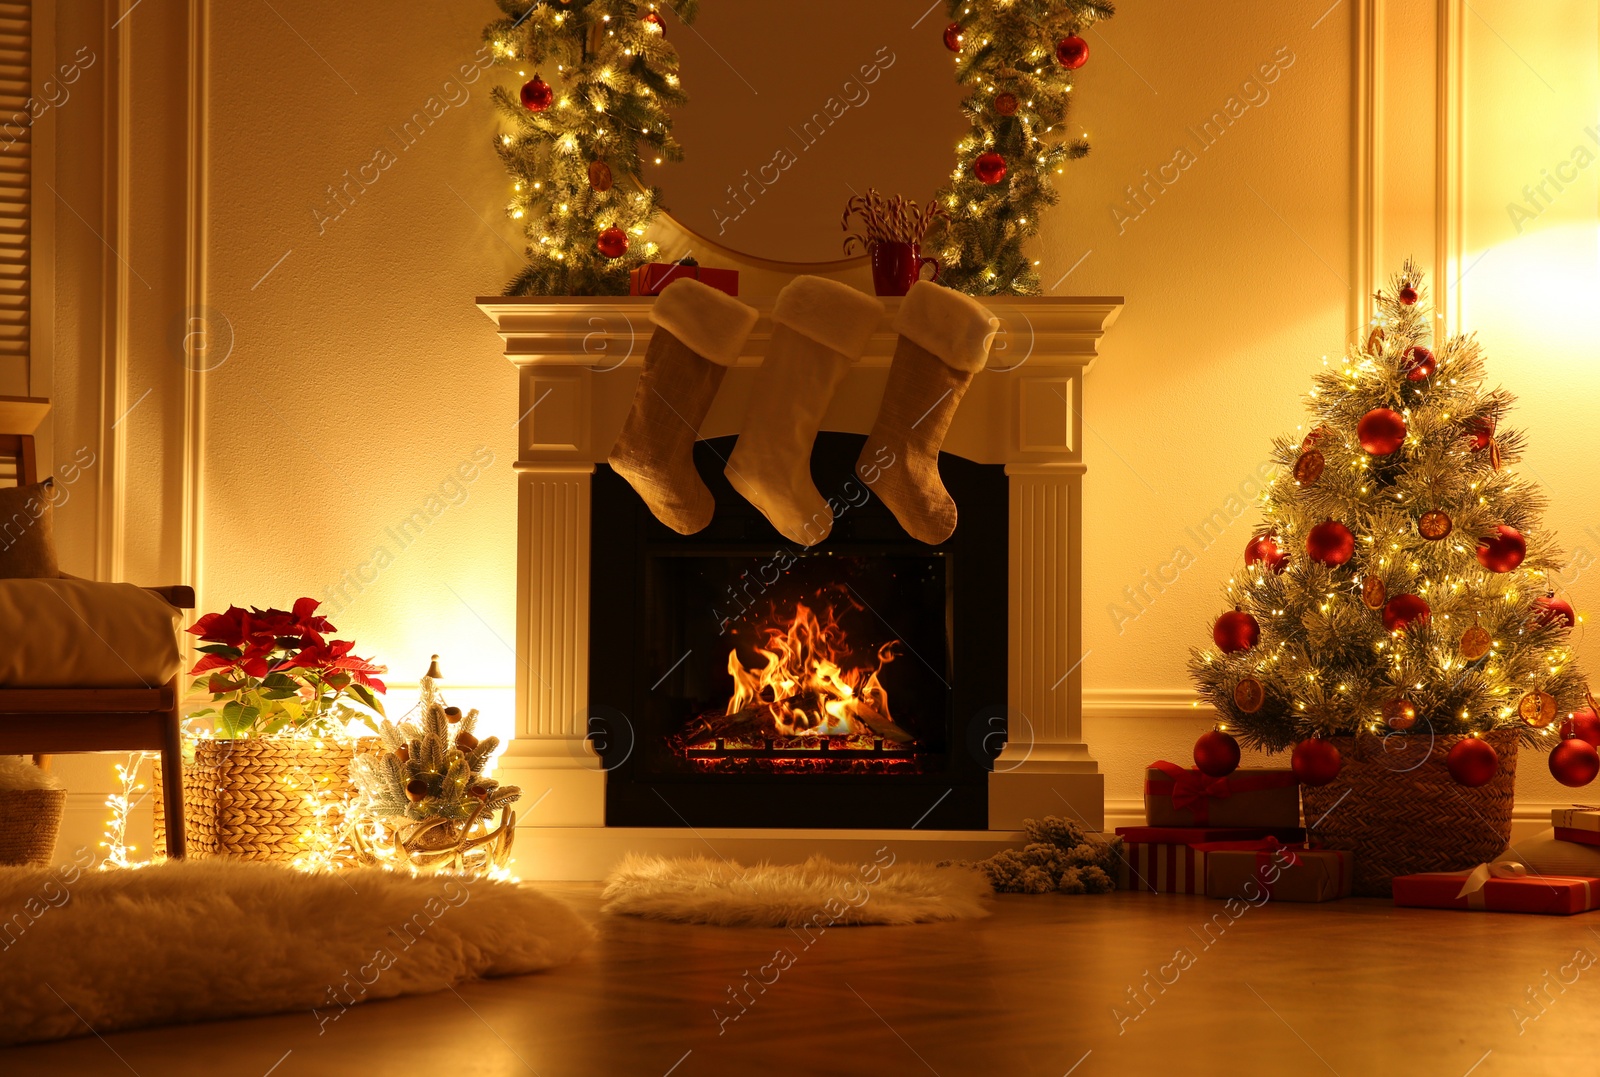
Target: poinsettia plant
<point>274,671</point>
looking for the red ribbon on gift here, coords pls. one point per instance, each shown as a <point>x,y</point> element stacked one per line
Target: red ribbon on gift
<point>1194,791</point>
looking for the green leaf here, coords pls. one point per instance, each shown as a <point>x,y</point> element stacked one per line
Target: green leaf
<point>220,648</point>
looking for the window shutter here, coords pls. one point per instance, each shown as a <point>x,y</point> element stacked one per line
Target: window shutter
<point>16,158</point>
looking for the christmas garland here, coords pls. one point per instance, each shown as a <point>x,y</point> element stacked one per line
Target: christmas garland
<point>575,154</point>
<point>1018,57</point>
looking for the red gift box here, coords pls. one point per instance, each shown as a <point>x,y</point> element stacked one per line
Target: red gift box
<point>1498,888</point>
<point>1280,872</point>
<point>1195,835</point>
<point>1249,797</point>
<point>1580,824</point>
<point>1162,868</point>
<point>651,277</point>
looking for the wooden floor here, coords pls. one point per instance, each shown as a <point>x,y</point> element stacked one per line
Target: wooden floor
<point>1046,986</point>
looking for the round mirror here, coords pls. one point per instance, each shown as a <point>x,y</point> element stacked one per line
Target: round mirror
<point>793,109</point>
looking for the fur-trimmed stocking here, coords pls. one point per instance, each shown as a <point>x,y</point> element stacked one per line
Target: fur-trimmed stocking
<point>820,327</point>
<point>699,334</point>
<point>944,341</point>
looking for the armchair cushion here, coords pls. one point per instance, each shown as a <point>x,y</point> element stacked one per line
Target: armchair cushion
<point>27,538</point>
<point>66,633</point>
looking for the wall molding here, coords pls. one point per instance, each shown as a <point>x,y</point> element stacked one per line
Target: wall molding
<point>196,242</point>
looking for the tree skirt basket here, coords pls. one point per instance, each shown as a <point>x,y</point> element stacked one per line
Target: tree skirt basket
<point>253,799</point>
<point>1396,809</point>
<point>30,819</point>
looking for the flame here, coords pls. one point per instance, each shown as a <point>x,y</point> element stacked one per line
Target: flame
<point>806,683</point>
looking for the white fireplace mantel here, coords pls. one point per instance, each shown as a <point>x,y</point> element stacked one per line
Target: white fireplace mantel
<point>579,360</point>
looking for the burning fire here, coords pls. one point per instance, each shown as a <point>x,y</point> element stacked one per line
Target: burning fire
<point>805,687</point>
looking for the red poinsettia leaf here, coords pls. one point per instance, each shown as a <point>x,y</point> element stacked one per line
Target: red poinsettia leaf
<point>255,667</point>
<point>210,662</point>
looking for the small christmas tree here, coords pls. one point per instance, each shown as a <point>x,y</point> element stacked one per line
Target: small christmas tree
<point>1059,857</point>
<point>600,79</point>
<point>1018,58</point>
<point>1400,581</point>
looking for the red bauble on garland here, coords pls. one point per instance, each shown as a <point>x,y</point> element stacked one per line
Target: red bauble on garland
<point>1072,52</point>
<point>990,168</point>
<point>1331,543</point>
<point>1216,754</point>
<point>952,37</point>
<point>1584,724</point>
<point>1472,762</point>
<point>1006,104</point>
<point>537,94</point>
<point>1235,631</point>
<point>1420,364</point>
<point>1502,551</point>
<point>1551,609</point>
<point>1480,432</point>
<point>1381,431</point>
<point>613,242</point>
<point>1408,295</point>
<point>1264,548</point>
<point>1574,762</point>
<point>654,19</point>
<point>1403,611</point>
<point>1315,762</point>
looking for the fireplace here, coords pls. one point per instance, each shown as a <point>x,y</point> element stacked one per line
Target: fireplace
<point>736,679</point>
<point>607,601</point>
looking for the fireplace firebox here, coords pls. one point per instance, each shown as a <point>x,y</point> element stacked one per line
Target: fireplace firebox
<point>738,679</point>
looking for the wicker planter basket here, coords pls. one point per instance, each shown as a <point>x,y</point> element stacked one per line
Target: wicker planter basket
<point>1395,807</point>
<point>247,799</point>
<point>30,819</point>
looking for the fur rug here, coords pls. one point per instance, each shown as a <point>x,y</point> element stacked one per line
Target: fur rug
<point>818,893</point>
<point>210,939</point>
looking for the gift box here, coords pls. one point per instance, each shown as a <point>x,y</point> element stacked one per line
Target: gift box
<point>1161,867</point>
<point>1498,888</point>
<point>1249,797</point>
<point>1282,872</point>
<point>1580,824</point>
<point>651,277</point>
<point>1195,835</point>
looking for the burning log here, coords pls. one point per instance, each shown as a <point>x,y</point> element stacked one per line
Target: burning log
<point>881,725</point>
<point>749,722</point>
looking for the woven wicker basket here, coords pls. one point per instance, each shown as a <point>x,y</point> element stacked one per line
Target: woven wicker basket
<point>247,799</point>
<point>30,819</point>
<point>1396,809</point>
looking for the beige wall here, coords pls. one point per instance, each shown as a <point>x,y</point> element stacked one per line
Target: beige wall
<point>361,377</point>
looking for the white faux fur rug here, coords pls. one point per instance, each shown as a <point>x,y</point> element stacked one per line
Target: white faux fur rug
<point>819,893</point>
<point>208,939</point>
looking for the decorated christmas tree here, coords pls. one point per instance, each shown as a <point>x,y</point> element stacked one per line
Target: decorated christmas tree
<point>1401,582</point>
<point>593,111</point>
<point>1017,58</point>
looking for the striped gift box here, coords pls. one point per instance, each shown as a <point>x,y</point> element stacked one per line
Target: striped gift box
<point>1162,868</point>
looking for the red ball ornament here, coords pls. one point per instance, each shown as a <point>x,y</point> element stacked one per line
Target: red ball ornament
<point>1264,548</point>
<point>1216,754</point>
<point>1472,762</point>
<point>1331,543</point>
<point>613,242</point>
<point>1574,762</point>
<point>1502,551</point>
<point>1551,609</point>
<point>1420,364</point>
<point>1235,631</point>
<point>1072,53</point>
<point>1006,104</point>
<point>1315,762</point>
<point>1583,725</point>
<point>1403,611</point>
<point>1408,295</point>
<point>1480,432</point>
<point>990,168</point>
<point>1381,431</point>
<point>537,94</point>
<point>654,19</point>
<point>952,37</point>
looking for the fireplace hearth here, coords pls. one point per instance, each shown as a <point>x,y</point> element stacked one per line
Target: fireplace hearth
<point>737,679</point>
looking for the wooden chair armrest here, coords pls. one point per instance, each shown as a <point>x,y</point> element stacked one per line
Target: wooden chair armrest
<point>179,596</point>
